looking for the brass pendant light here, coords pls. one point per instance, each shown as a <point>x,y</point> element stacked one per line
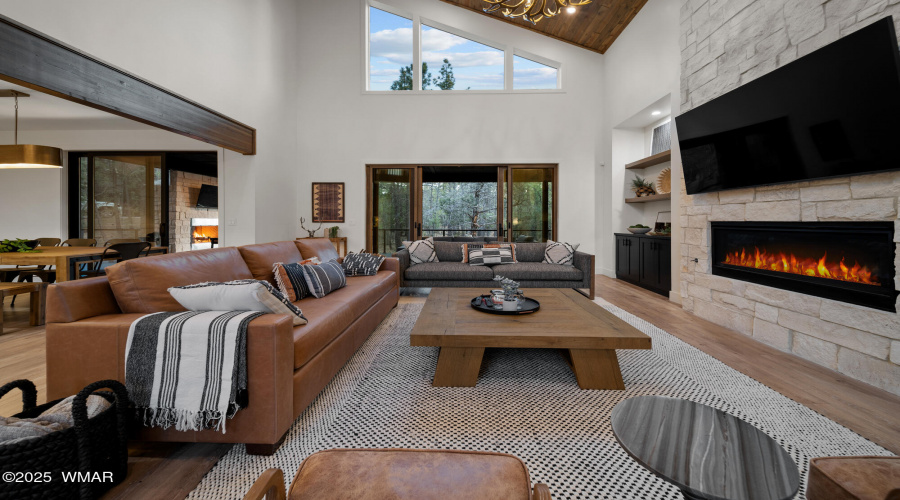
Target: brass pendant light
<point>27,155</point>
<point>532,10</point>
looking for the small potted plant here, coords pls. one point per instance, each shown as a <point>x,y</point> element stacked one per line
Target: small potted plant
<point>16,245</point>
<point>641,187</point>
<point>510,293</point>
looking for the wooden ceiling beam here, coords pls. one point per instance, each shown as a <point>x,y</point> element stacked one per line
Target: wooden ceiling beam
<point>36,61</point>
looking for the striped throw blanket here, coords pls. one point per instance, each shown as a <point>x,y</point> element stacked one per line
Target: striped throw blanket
<point>188,369</point>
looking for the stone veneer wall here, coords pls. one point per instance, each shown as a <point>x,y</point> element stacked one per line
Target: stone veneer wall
<point>726,43</point>
<point>184,187</point>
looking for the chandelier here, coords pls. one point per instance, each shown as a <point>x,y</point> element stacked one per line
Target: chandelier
<point>532,10</point>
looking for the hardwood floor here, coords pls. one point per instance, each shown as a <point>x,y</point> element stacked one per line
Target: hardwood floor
<point>868,411</point>
<point>170,471</point>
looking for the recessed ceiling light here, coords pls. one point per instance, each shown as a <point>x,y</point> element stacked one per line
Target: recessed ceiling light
<point>656,113</point>
<point>570,10</point>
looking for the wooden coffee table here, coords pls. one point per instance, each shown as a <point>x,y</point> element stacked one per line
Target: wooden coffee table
<point>566,320</point>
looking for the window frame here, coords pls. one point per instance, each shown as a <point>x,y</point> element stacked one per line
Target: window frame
<point>508,52</point>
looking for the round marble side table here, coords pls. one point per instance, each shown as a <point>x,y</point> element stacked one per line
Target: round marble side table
<point>706,453</point>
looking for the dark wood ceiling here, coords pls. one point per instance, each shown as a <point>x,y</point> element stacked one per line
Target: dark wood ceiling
<point>594,26</point>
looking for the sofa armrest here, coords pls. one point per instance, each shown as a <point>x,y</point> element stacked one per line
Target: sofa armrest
<point>403,257</point>
<point>391,264</point>
<point>75,300</point>
<point>585,262</point>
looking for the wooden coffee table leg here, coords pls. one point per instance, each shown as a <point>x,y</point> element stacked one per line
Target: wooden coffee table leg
<point>597,369</point>
<point>458,367</point>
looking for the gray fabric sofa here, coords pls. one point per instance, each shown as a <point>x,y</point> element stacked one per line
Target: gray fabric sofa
<point>530,270</point>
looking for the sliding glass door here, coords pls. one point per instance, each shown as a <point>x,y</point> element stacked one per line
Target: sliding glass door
<point>119,197</point>
<point>507,202</point>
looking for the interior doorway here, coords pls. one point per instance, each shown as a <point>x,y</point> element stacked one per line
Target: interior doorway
<point>146,196</point>
<point>514,203</point>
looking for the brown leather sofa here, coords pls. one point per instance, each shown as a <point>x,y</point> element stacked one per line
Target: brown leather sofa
<point>88,322</point>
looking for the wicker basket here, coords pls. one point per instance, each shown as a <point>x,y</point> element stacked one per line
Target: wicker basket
<point>644,191</point>
<point>99,444</point>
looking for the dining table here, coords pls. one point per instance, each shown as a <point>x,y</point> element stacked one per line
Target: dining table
<point>66,259</point>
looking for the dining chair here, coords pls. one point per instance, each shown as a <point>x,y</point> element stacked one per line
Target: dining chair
<point>11,274</point>
<point>80,242</point>
<point>123,240</point>
<point>126,251</point>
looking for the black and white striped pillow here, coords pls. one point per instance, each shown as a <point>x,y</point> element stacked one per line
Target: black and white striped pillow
<point>491,256</point>
<point>237,295</point>
<point>323,279</point>
<point>362,264</point>
<point>560,253</point>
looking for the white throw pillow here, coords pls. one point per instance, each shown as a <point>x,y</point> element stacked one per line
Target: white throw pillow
<point>239,295</point>
<point>422,251</point>
<point>560,253</point>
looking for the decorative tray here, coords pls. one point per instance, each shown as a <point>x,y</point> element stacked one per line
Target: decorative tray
<point>483,303</point>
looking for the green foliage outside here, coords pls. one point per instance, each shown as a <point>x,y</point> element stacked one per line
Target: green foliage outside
<point>444,81</point>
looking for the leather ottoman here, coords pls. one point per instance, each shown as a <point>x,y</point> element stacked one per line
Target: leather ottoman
<point>854,478</point>
<point>403,474</point>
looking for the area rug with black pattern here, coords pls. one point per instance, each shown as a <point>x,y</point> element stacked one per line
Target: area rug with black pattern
<point>527,403</point>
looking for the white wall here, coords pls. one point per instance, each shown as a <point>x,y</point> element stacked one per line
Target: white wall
<point>233,56</point>
<point>35,199</point>
<point>341,128</point>
<point>642,66</point>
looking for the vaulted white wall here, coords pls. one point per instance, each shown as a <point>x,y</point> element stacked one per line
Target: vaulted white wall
<point>234,56</point>
<point>642,66</point>
<point>341,128</point>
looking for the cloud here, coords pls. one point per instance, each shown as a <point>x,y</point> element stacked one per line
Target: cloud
<point>464,59</point>
<point>434,40</point>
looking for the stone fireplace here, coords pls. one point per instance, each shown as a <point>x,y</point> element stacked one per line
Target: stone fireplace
<point>184,188</point>
<point>725,45</point>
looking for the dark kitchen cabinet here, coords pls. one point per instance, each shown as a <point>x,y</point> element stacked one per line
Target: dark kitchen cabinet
<point>645,261</point>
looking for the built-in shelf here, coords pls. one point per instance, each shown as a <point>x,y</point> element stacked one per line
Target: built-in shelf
<point>651,160</point>
<point>647,199</point>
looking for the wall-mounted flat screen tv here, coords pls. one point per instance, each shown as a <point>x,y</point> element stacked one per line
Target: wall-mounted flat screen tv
<point>834,112</point>
<point>208,197</point>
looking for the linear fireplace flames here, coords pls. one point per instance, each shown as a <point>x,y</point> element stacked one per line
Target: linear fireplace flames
<point>847,261</point>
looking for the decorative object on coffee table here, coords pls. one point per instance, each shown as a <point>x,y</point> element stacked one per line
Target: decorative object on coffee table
<point>312,232</point>
<point>524,305</point>
<point>641,187</point>
<point>510,293</point>
<point>706,453</point>
<point>569,321</point>
<point>328,202</point>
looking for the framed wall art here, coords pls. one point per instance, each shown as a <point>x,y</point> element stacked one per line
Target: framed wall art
<point>328,202</point>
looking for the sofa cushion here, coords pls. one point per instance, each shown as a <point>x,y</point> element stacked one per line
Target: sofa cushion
<point>451,271</point>
<point>448,251</point>
<point>530,252</point>
<point>490,256</point>
<point>322,248</point>
<point>560,253</point>
<point>142,285</point>
<point>331,315</point>
<point>262,257</point>
<point>538,271</point>
<point>422,251</point>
